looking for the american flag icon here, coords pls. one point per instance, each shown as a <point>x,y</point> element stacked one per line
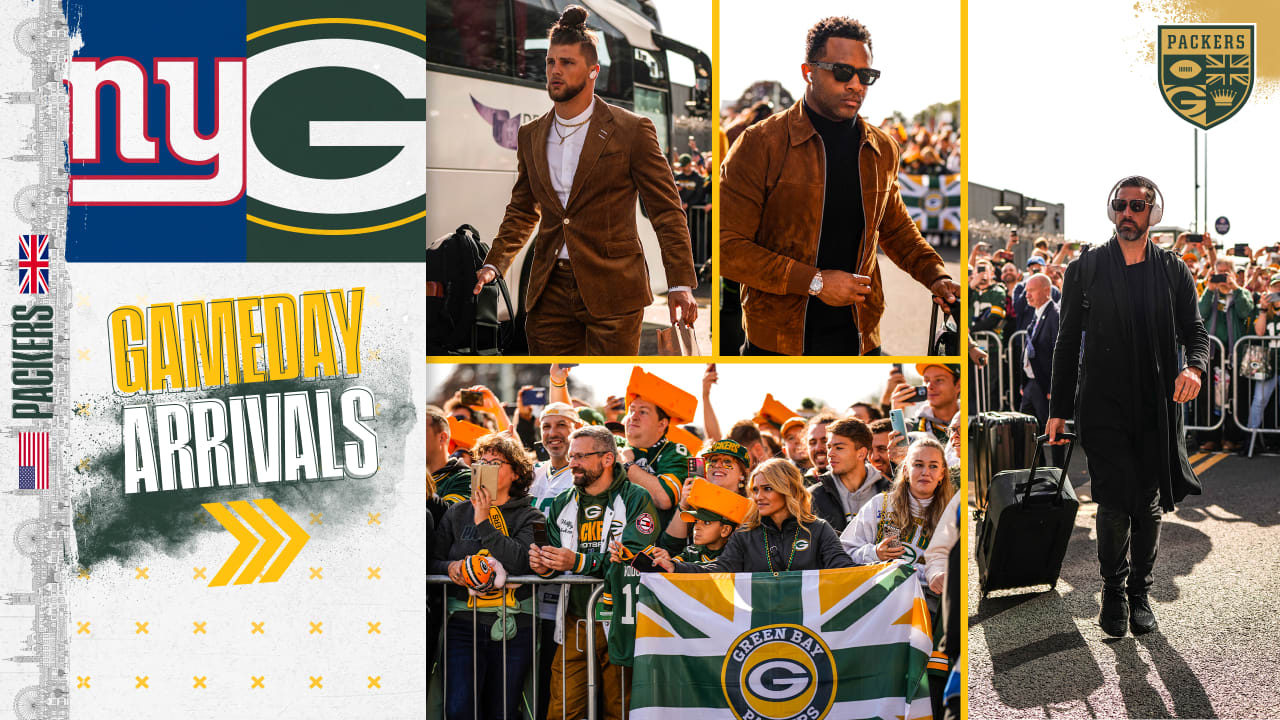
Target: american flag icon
<point>33,461</point>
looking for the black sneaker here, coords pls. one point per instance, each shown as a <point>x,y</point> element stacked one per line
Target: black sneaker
<point>1115,612</point>
<point>1141,619</point>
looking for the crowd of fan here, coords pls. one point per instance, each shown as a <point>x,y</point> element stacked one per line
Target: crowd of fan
<point>610,492</point>
<point>929,148</point>
<point>1239,295</point>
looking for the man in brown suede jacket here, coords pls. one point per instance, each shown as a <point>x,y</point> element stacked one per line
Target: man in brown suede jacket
<point>581,167</point>
<point>807,197</point>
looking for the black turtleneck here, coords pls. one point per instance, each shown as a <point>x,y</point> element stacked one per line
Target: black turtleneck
<point>834,330</point>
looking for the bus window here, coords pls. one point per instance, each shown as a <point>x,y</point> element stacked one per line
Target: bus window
<point>652,104</point>
<point>469,34</point>
<point>531,23</point>
<point>649,69</point>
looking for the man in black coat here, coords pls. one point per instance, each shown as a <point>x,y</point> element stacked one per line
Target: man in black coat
<point>1136,304</point>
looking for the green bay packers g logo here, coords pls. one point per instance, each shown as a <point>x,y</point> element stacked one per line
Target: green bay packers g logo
<point>779,671</point>
<point>1205,71</point>
<point>338,137</point>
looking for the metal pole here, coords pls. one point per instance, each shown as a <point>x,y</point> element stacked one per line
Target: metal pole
<point>1206,183</point>
<point>537,619</point>
<point>1195,155</point>
<point>475,687</point>
<point>591,650</point>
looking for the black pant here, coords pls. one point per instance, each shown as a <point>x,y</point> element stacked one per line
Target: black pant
<point>1129,512</point>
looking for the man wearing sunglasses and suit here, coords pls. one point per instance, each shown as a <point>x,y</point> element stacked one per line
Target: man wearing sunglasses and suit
<point>807,197</point>
<point>1132,305</point>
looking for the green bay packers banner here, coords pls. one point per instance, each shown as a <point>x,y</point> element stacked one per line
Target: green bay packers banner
<point>848,643</point>
<point>933,201</point>
<point>1206,71</point>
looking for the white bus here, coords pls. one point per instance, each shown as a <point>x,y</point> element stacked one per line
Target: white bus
<point>486,72</point>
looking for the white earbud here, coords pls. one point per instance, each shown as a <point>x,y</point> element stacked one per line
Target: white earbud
<point>594,73</point>
<point>808,76</point>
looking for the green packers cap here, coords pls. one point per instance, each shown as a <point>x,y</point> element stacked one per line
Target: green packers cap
<point>705,515</point>
<point>727,447</point>
<point>590,416</point>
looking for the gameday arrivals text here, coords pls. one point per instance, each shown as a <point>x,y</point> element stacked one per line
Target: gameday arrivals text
<point>243,439</point>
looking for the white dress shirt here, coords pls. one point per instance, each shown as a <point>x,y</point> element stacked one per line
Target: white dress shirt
<point>1026,356</point>
<point>562,157</point>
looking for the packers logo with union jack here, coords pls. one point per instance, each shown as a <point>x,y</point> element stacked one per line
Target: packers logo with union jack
<point>1206,71</point>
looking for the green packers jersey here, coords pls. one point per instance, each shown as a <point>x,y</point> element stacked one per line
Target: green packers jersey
<point>669,462</point>
<point>987,307</point>
<point>632,518</point>
<point>698,554</point>
<point>453,482</point>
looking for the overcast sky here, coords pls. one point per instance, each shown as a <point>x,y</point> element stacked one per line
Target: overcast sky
<point>1064,104</point>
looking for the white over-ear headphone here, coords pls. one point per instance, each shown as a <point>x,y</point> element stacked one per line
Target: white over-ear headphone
<point>594,73</point>
<point>1157,209</point>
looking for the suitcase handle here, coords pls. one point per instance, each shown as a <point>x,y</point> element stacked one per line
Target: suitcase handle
<point>1035,464</point>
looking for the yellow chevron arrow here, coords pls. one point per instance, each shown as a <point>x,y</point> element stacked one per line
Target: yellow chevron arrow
<point>272,540</point>
<point>241,533</point>
<point>297,538</point>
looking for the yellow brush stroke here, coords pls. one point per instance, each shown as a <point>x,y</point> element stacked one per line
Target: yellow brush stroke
<point>714,591</point>
<point>352,231</point>
<point>336,21</point>
<point>271,541</point>
<point>242,551</point>
<point>297,538</point>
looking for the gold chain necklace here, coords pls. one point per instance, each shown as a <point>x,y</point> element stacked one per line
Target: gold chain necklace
<point>768,553</point>
<point>576,126</point>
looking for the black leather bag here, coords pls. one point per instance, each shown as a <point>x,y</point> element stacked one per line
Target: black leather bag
<point>459,322</point>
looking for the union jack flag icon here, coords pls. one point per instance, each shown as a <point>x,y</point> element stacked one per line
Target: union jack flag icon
<point>33,264</point>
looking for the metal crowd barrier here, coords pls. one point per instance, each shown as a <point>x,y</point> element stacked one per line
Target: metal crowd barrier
<point>699,217</point>
<point>984,400</point>
<point>533,581</point>
<point>1017,376</point>
<point>1248,391</point>
<point>1200,412</point>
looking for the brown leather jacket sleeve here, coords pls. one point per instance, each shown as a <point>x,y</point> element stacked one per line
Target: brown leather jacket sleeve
<point>657,186</point>
<point>743,180</point>
<point>902,241</point>
<point>522,213</point>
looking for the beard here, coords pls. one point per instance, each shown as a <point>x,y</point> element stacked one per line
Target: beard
<point>1129,231</point>
<point>566,92</point>
<point>583,477</point>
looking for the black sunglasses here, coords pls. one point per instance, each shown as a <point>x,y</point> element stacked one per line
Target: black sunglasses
<point>842,72</point>
<point>1135,205</point>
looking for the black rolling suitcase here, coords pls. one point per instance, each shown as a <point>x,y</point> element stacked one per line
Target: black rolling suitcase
<point>1000,441</point>
<point>1023,536</point>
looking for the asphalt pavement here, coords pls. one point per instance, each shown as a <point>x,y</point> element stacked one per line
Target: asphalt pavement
<point>1039,653</point>
<point>904,329</point>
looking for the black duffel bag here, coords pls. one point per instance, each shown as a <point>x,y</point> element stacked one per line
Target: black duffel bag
<point>459,322</point>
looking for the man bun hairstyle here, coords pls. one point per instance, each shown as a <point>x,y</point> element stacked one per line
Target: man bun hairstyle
<point>571,29</point>
<point>815,43</point>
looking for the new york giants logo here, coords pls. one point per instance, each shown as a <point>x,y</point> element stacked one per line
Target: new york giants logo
<point>302,140</point>
<point>33,264</point>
